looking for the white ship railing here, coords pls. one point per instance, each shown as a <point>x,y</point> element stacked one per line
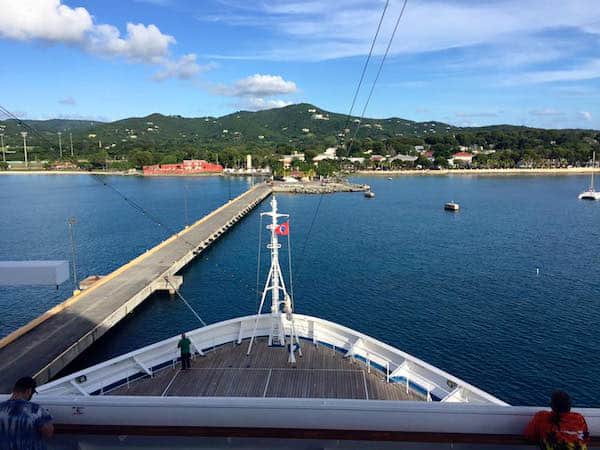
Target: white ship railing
<point>330,419</point>
<point>396,365</point>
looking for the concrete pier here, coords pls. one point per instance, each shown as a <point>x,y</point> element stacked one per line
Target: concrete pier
<point>47,344</point>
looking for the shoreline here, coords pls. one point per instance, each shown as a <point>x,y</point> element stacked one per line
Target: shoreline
<point>382,173</point>
<point>316,187</point>
<point>476,172</point>
<point>100,172</point>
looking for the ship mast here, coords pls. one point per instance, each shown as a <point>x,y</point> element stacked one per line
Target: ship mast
<point>281,302</point>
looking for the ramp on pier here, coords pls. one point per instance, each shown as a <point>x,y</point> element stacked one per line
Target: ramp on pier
<point>46,345</point>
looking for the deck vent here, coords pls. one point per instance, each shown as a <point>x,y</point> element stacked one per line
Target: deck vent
<point>81,379</point>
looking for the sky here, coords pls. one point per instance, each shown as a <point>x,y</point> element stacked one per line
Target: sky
<point>464,62</point>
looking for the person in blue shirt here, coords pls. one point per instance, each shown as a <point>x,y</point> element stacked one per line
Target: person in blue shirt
<point>24,424</point>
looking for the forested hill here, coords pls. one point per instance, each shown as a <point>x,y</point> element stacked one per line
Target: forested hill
<point>302,123</point>
<point>302,126</point>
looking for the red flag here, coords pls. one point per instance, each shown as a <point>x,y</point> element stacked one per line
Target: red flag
<point>283,229</point>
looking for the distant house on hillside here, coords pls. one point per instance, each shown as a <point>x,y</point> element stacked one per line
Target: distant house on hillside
<point>404,160</point>
<point>355,159</point>
<point>287,160</point>
<point>429,155</point>
<point>330,153</point>
<point>462,157</point>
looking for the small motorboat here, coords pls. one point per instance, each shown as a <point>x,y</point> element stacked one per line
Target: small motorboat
<point>370,194</point>
<point>451,206</point>
<point>390,178</point>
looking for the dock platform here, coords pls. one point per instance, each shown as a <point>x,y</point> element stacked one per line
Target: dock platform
<point>49,343</point>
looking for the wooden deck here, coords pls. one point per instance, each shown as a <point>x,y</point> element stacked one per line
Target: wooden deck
<point>226,371</point>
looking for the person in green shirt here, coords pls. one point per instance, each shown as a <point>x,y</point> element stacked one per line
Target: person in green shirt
<point>184,346</point>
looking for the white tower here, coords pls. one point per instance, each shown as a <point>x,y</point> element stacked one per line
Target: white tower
<point>24,134</point>
<point>281,302</point>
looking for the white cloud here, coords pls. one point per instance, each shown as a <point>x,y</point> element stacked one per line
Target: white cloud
<point>585,115</point>
<point>546,112</point>
<point>69,101</point>
<point>257,104</point>
<point>258,85</point>
<point>586,71</point>
<point>52,22</point>
<point>252,91</point>
<point>344,28</point>
<point>142,43</point>
<point>184,68</point>
<point>48,20</point>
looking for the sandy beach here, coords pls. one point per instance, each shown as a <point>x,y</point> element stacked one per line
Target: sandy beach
<point>485,172</point>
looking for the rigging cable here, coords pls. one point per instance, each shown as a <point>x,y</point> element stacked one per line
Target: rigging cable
<point>364,69</point>
<point>185,301</point>
<point>290,268</point>
<point>387,50</point>
<point>312,223</point>
<point>100,180</point>
<point>258,261</point>
<point>301,263</point>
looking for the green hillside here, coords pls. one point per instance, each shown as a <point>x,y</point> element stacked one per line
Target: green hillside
<point>304,127</point>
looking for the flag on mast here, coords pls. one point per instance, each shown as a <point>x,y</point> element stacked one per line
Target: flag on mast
<point>283,229</point>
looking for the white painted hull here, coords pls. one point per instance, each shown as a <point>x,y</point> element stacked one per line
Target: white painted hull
<point>397,366</point>
<point>589,195</point>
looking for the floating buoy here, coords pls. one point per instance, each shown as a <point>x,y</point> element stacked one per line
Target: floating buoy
<point>537,271</point>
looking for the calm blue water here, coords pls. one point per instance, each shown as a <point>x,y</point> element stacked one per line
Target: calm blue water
<point>457,290</point>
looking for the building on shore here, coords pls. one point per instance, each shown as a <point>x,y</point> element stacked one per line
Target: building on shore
<point>461,158</point>
<point>187,167</point>
<point>287,160</point>
<point>329,153</point>
<point>404,160</point>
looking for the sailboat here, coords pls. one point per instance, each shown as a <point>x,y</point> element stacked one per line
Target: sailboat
<point>591,193</point>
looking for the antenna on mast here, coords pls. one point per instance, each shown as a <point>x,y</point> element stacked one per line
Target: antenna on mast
<point>282,316</point>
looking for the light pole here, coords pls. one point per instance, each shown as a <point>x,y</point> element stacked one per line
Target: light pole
<point>60,144</point>
<point>72,221</point>
<point>3,152</point>
<point>24,134</point>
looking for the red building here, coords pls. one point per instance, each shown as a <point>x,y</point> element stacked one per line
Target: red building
<point>187,167</point>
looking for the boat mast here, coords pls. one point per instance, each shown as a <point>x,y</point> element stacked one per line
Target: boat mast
<point>281,302</point>
<point>593,168</point>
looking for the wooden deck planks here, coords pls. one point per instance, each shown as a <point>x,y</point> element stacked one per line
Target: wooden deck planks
<point>226,371</point>
<point>148,386</point>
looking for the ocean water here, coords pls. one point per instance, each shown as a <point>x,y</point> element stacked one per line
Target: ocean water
<point>458,290</point>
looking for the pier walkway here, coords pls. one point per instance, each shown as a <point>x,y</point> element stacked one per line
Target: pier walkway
<point>46,345</point>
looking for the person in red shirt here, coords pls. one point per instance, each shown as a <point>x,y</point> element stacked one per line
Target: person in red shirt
<point>560,428</point>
